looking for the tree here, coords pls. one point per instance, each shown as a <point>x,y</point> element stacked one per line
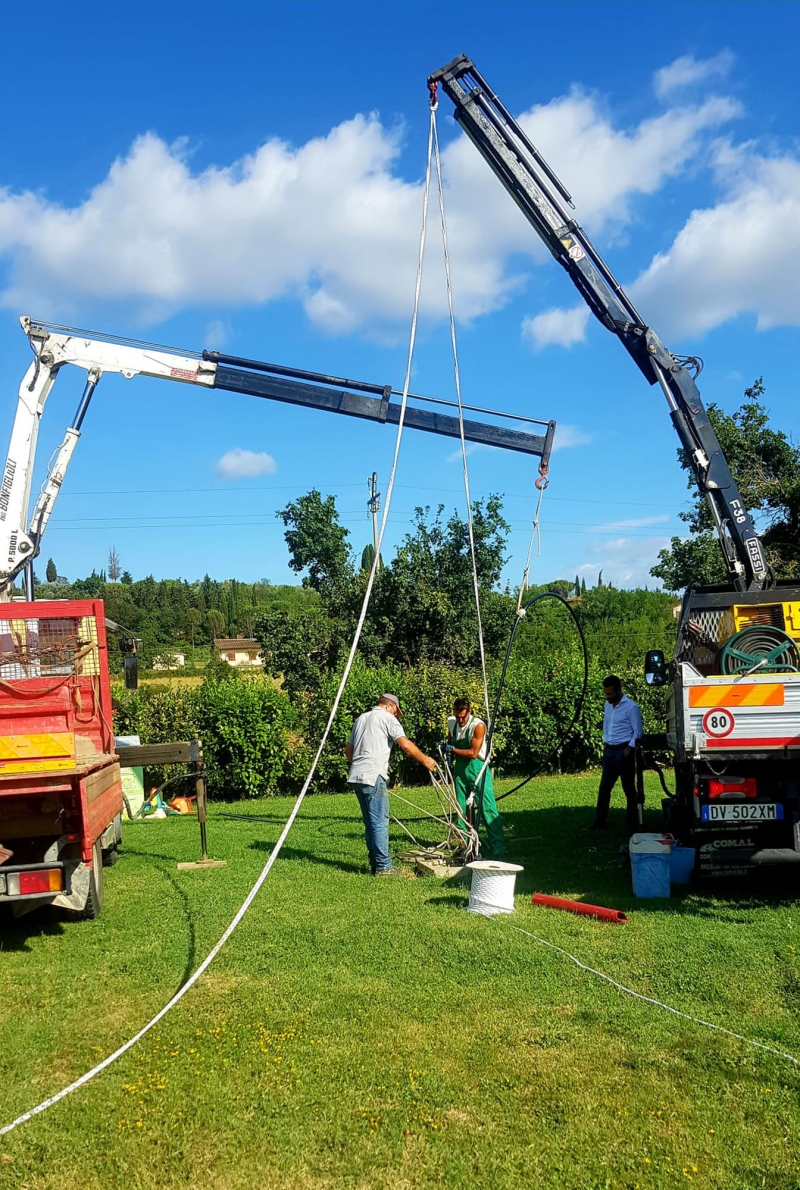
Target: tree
<point>368,557</point>
<point>114,568</point>
<point>766,467</point>
<point>215,622</point>
<point>299,647</point>
<point>51,574</point>
<point>317,542</point>
<point>126,577</point>
<point>194,618</point>
<point>424,603</point>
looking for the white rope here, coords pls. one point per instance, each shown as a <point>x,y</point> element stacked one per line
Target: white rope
<point>536,535</point>
<point>193,978</point>
<point>460,408</point>
<point>658,1003</point>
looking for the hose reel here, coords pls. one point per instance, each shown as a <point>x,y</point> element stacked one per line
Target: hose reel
<point>760,648</point>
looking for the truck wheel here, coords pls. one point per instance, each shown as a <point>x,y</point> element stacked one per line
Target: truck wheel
<point>94,901</point>
<point>110,858</point>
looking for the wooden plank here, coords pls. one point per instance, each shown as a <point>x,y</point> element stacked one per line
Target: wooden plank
<point>131,756</point>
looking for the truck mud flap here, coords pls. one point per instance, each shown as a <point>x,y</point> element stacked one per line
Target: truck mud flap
<point>78,885</point>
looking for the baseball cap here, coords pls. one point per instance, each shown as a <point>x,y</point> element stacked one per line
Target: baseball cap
<point>393,699</point>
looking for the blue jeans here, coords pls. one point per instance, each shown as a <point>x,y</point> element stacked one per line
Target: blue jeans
<point>374,803</point>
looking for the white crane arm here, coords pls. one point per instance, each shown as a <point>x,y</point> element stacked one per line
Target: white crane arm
<point>19,539</point>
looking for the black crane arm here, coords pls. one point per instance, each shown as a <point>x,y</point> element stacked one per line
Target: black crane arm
<point>56,347</point>
<point>544,201</point>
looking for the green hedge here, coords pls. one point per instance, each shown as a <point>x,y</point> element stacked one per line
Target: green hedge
<point>248,729</point>
<point>258,742</point>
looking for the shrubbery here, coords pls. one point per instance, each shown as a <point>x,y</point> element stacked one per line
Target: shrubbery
<point>257,741</point>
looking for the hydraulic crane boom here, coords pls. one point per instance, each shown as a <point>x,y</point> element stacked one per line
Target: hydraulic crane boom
<point>544,201</point>
<point>54,347</point>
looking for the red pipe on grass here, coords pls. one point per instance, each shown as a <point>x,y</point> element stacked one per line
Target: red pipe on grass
<point>581,908</point>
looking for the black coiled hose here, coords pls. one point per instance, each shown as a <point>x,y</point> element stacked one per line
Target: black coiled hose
<point>499,694</point>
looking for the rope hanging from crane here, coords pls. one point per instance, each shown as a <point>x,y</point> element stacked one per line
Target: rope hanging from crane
<point>465,835</point>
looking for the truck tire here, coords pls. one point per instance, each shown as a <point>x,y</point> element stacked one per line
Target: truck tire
<point>94,901</point>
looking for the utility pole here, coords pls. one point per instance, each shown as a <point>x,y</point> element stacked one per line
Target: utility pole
<point>373,508</point>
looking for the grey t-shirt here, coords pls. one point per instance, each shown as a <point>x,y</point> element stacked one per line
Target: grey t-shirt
<point>372,737</point>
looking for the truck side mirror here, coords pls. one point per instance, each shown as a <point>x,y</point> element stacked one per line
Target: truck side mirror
<point>131,671</point>
<point>655,668</point>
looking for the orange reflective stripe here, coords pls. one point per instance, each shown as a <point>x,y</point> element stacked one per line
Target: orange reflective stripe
<point>740,695</point>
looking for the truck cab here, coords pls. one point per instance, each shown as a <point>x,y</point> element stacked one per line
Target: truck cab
<point>733,726</point>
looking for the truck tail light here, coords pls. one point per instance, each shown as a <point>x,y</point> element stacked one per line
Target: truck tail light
<point>21,884</point>
<point>743,787</point>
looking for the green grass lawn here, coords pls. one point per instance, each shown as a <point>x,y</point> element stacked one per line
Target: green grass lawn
<point>369,1034</point>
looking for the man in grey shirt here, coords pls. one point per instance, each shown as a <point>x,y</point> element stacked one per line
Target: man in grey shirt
<point>367,751</point>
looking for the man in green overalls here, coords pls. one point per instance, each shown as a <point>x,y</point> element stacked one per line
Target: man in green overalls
<point>467,737</point>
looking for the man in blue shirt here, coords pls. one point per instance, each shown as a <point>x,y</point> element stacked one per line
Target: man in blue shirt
<point>622,727</point>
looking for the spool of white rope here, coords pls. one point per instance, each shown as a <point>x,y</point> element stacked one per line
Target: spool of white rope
<point>492,887</point>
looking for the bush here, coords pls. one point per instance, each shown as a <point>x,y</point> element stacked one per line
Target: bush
<point>257,741</point>
<point>245,725</point>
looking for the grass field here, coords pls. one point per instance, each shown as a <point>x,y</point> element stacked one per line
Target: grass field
<point>365,1034</point>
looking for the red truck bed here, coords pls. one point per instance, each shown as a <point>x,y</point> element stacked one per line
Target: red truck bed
<point>60,785</point>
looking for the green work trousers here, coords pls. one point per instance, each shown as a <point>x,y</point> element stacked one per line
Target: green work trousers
<point>465,774</point>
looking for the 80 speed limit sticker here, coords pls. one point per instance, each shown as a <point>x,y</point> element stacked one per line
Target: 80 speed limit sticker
<point>718,722</point>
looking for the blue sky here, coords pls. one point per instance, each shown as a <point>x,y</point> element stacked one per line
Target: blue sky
<point>248,176</point>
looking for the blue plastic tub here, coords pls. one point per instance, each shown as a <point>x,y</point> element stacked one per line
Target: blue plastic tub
<point>681,864</point>
<point>650,874</point>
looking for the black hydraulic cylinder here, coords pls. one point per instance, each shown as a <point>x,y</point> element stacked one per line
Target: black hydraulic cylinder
<point>317,396</point>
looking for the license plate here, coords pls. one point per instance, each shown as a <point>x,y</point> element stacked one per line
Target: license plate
<point>741,812</point>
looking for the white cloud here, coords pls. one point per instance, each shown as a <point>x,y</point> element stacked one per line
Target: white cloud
<point>329,224</point>
<point>455,456</point>
<point>637,523</point>
<point>740,257</point>
<point>556,326</point>
<point>625,561</point>
<point>245,464</point>
<point>688,71</point>
<point>568,436</point>
<point>216,335</point>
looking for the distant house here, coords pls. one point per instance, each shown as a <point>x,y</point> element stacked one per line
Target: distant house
<point>169,661</point>
<point>239,651</point>
<point>676,611</point>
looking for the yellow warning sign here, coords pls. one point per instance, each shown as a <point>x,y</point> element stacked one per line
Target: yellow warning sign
<point>743,694</point>
<point>37,753</point>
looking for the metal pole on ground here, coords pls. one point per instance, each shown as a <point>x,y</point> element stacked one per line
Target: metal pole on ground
<point>202,815</point>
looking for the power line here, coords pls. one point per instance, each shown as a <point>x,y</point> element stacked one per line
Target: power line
<point>89,526</point>
<point>229,491</point>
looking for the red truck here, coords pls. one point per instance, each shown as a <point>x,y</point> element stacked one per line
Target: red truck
<point>60,785</point>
